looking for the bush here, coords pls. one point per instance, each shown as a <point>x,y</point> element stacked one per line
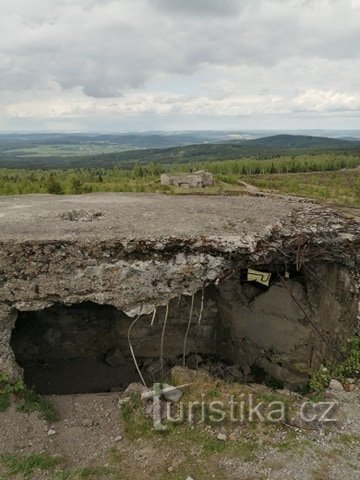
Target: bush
<point>348,367</point>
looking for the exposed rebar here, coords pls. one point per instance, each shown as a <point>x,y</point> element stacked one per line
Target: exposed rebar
<point>153,317</point>
<point>132,350</point>
<point>202,306</point>
<point>162,341</point>
<point>188,330</point>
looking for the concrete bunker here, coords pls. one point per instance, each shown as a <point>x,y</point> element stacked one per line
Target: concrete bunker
<point>247,331</point>
<point>70,289</point>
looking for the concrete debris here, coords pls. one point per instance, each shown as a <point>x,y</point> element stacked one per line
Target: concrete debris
<point>115,358</point>
<point>336,386</point>
<point>134,388</point>
<point>170,393</point>
<point>193,361</point>
<point>81,215</point>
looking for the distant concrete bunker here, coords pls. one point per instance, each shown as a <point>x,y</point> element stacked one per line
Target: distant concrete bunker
<point>201,179</point>
<point>268,287</point>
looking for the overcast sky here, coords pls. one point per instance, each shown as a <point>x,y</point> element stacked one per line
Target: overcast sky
<point>125,65</point>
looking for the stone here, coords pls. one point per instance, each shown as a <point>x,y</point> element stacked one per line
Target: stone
<point>51,432</point>
<point>87,422</point>
<point>134,388</point>
<point>115,358</point>
<point>336,386</point>
<point>236,372</point>
<point>170,393</point>
<point>118,439</point>
<point>193,361</point>
<point>222,437</point>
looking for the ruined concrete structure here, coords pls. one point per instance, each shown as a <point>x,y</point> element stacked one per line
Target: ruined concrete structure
<point>76,271</point>
<point>202,178</point>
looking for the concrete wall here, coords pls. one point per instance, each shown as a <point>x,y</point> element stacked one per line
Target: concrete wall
<point>289,329</point>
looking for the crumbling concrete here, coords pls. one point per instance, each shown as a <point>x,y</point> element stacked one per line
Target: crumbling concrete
<point>202,179</point>
<point>136,253</point>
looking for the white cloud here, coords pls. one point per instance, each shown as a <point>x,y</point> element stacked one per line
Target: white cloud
<point>79,58</point>
<point>326,101</point>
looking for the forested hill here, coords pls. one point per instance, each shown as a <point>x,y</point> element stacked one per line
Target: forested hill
<point>301,141</point>
<point>262,148</point>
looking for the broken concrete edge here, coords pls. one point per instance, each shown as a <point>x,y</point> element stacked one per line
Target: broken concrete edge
<point>137,276</point>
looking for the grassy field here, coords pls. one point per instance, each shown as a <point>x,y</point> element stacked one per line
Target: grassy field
<point>340,188</point>
<point>323,178</point>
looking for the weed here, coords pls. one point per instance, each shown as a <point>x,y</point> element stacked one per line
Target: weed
<point>86,473</point>
<point>26,465</point>
<point>348,438</point>
<point>136,424</point>
<point>28,400</point>
<point>350,365</point>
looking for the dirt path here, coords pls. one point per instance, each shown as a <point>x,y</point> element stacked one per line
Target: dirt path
<point>89,433</point>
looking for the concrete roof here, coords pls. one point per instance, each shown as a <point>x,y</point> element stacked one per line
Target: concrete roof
<point>118,215</point>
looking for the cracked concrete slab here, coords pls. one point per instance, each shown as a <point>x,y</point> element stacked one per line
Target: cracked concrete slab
<point>106,215</point>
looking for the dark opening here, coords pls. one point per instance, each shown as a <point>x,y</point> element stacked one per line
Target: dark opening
<point>84,348</point>
<point>73,349</point>
<point>248,331</point>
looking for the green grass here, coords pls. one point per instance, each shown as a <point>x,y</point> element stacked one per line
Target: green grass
<point>86,473</point>
<point>136,424</point>
<point>349,365</point>
<point>331,184</point>
<point>5,401</point>
<point>341,188</point>
<point>25,466</point>
<point>348,438</point>
<point>27,400</point>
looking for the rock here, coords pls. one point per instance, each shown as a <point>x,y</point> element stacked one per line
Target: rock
<point>115,358</point>
<point>123,400</point>
<point>134,388</point>
<point>51,432</point>
<point>171,394</point>
<point>336,386</point>
<point>153,367</point>
<point>236,372</point>
<point>349,387</point>
<point>118,439</point>
<point>350,381</point>
<point>87,423</point>
<point>193,361</point>
<point>222,437</point>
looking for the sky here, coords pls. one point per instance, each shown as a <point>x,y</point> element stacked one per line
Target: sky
<point>141,65</point>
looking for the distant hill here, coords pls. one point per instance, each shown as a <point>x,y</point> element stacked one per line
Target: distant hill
<point>301,141</point>
<point>272,147</point>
